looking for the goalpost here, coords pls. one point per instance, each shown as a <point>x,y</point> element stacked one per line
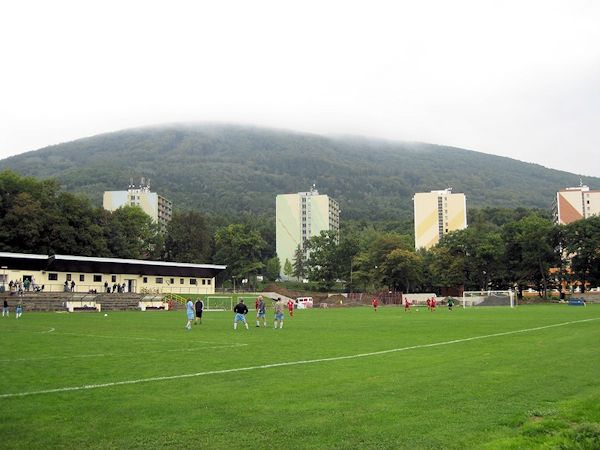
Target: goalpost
<point>488,298</point>
<point>218,303</point>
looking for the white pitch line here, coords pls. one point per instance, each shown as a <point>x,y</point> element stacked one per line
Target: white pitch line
<point>100,355</point>
<point>103,336</point>
<point>285,364</point>
<point>66,333</point>
<point>56,333</point>
<point>109,337</point>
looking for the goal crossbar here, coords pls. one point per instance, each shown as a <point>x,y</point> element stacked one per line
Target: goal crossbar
<point>488,298</point>
<point>218,303</point>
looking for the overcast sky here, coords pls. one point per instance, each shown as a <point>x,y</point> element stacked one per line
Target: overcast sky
<point>513,78</point>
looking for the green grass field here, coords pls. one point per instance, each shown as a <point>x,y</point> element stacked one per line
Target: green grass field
<point>337,378</point>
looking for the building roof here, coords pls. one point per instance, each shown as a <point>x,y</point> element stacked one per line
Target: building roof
<point>23,261</point>
<point>69,263</point>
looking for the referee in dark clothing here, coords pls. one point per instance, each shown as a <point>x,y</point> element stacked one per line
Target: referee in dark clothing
<point>199,305</point>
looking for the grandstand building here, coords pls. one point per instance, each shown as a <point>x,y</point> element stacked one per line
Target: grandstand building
<point>157,207</point>
<point>301,216</point>
<point>575,203</point>
<point>438,213</point>
<point>56,272</point>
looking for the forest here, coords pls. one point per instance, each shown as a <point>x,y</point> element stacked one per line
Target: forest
<point>232,171</point>
<point>501,248</point>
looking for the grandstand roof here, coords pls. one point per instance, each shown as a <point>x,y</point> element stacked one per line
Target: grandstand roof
<point>69,263</point>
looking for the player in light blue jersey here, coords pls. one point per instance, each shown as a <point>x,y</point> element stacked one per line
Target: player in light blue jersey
<point>189,306</point>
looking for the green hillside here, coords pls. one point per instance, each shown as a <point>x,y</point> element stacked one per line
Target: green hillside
<point>233,169</point>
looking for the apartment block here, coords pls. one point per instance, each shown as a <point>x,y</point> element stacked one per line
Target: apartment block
<point>299,217</point>
<point>575,203</point>
<point>157,207</point>
<point>438,213</point>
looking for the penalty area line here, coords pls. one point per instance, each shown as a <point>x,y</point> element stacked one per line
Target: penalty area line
<point>285,364</point>
<point>120,355</point>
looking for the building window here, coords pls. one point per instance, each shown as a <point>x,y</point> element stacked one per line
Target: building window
<point>97,278</point>
<point>203,282</point>
<point>193,281</point>
<point>68,277</point>
<point>172,281</point>
<point>208,282</point>
<point>81,277</point>
<point>181,281</point>
<point>52,276</point>
<point>113,278</point>
<point>158,281</point>
<point>145,279</point>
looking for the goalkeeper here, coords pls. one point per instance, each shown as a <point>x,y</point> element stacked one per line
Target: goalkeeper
<point>450,303</point>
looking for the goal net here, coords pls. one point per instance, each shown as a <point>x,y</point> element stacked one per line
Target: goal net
<point>488,298</point>
<point>218,303</point>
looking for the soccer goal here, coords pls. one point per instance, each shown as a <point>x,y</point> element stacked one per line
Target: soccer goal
<point>488,298</point>
<point>218,303</point>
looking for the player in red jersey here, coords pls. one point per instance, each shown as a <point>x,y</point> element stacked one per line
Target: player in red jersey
<point>433,303</point>
<point>429,304</point>
<point>290,305</point>
<point>375,303</point>
<point>407,304</point>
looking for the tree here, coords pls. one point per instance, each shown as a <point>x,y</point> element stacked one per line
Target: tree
<point>447,269</point>
<point>22,227</point>
<point>299,265</point>
<point>402,269</point>
<point>35,217</point>
<point>131,233</point>
<point>581,242</point>
<point>288,270</point>
<point>482,251</point>
<point>347,250</point>
<point>188,238</point>
<point>74,227</point>
<point>239,247</point>
<point>375,246</point>
<point>272,268</point>
<point>531,250</point>
<point>323,264</point>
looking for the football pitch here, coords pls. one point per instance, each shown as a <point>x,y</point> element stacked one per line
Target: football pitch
<point>338,378</point>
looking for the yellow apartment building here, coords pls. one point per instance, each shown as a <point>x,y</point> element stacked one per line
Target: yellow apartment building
<point>438,213</point>
<point>301,216</point>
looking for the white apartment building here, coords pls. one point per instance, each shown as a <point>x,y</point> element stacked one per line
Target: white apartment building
<point>157,207</point>
<point>438,213</point>
<point>301,216</point>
